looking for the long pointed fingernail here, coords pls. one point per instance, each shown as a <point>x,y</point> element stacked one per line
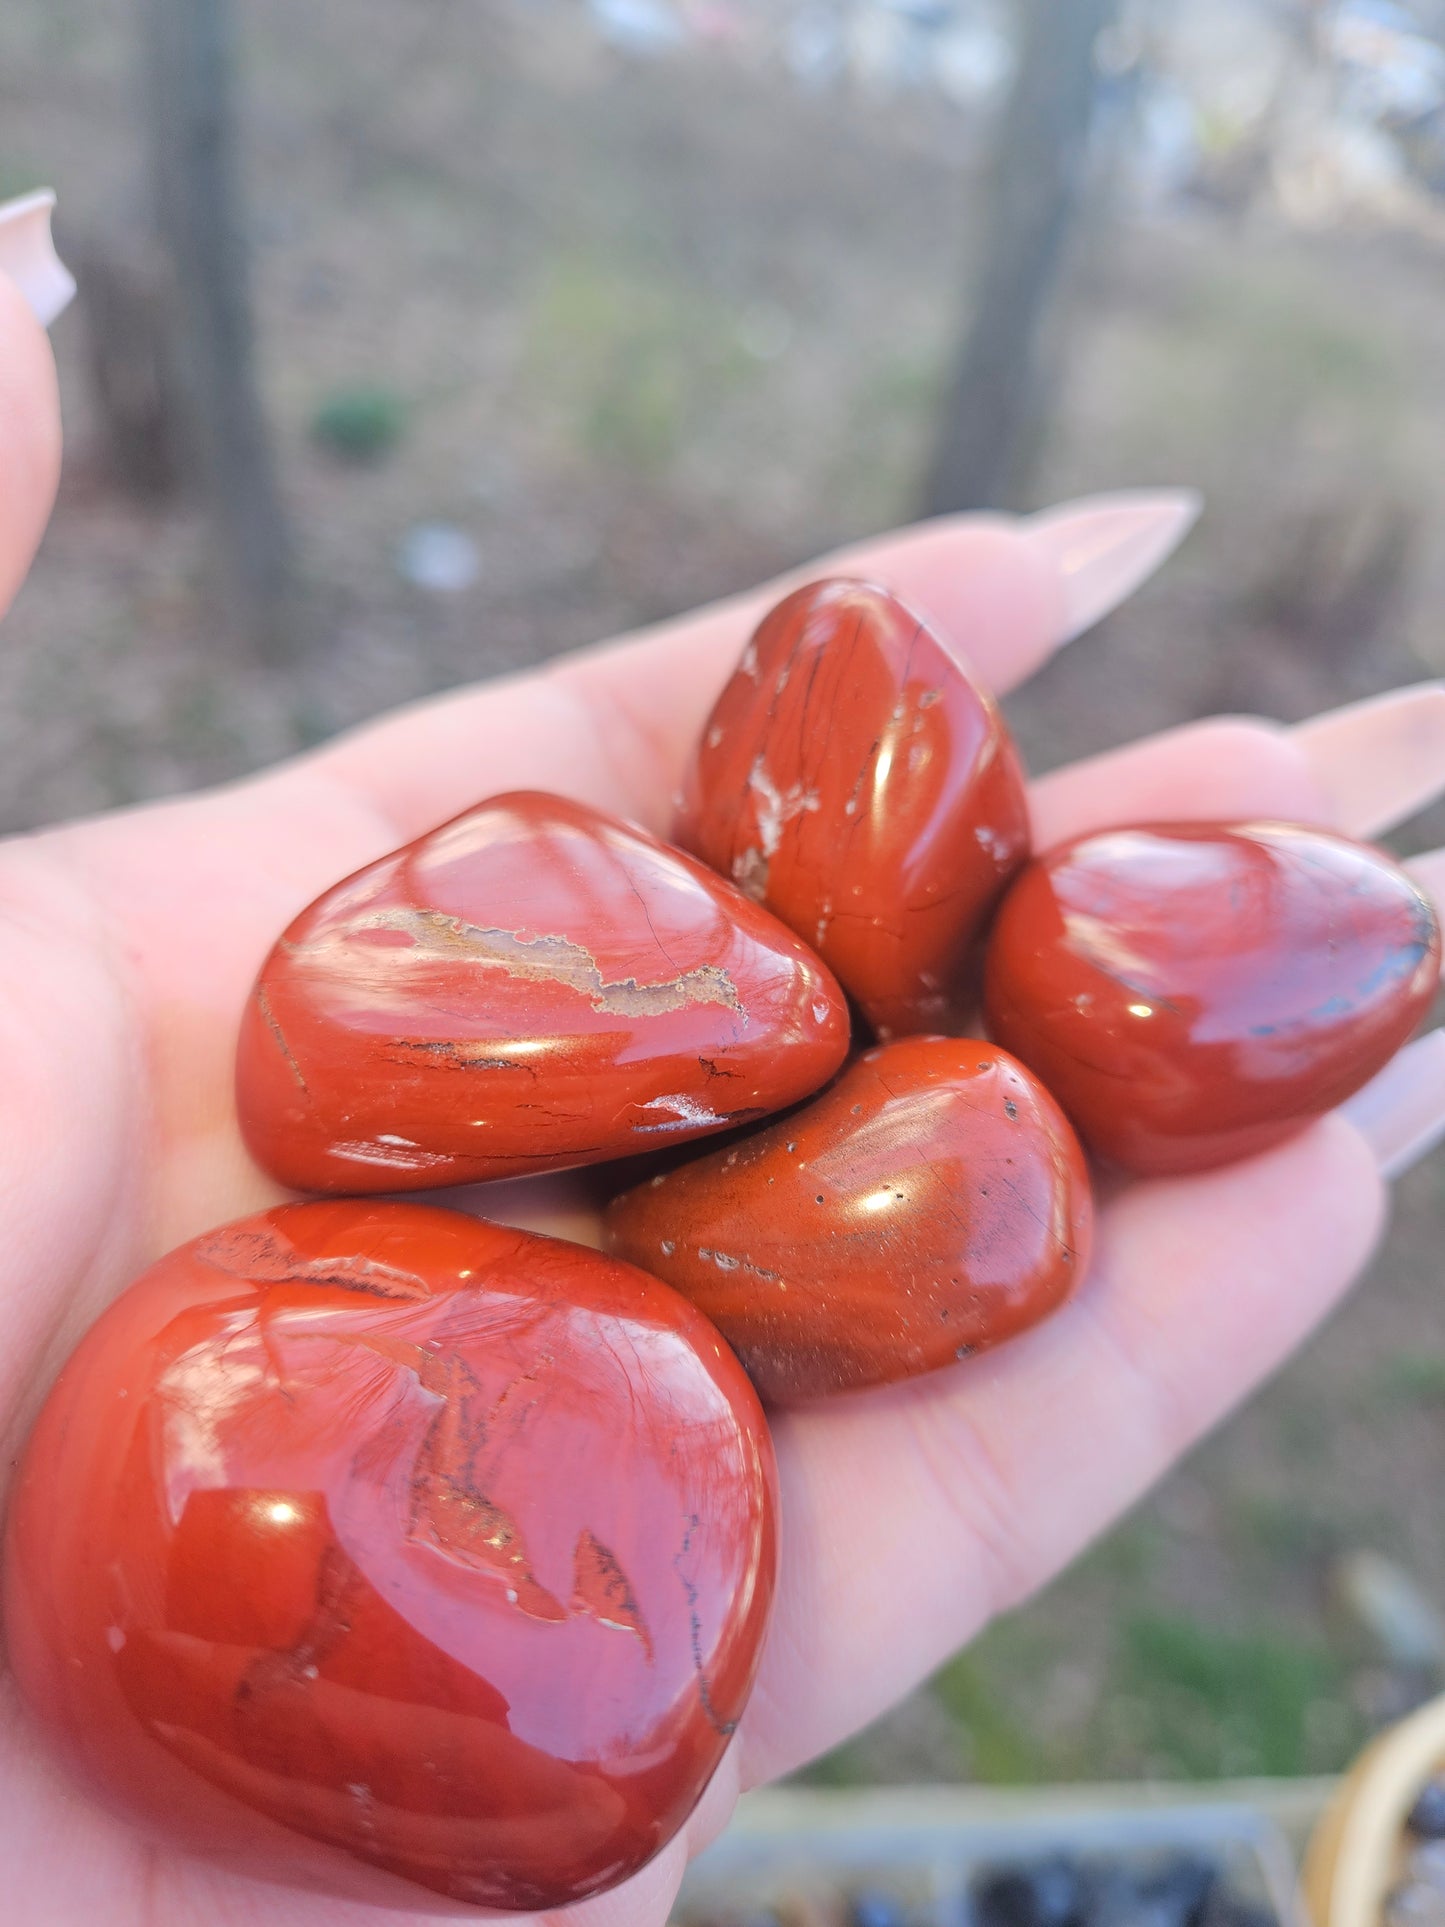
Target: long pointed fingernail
<point>27,255</point>
<point>1107,546</point>
<point>1381,760</point>
<point>1401,1112</point>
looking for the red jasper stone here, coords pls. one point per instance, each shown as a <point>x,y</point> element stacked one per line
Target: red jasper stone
<point>854,779</point>
<point>533,985</point>
<point>360,1541</point>
<point>933,1202</point>
<point>1193,993</point>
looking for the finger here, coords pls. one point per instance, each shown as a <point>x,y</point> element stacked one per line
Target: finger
<point>29,437</point>
<point>1362,769</point>
<point>614,725</point>
<point>912,1516</point>
<point>1224,770</point>
<point>1382,760</point>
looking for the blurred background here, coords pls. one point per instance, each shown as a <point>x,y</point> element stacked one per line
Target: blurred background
<point>420,342</point>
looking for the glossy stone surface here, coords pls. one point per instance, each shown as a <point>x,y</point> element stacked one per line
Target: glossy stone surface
<point>854,779</point>
<point>931,1203</point>
<point>533,985</point>
<point>363,1544</point>
<point>1193,993</point>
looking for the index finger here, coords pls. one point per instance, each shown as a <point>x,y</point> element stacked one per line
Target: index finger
<point>613,725</point>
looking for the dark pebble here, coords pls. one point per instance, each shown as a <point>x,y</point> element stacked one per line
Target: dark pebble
<point>1050,1893</point>
<point>1427,1816</point>
<point>1181,1891</point>
<point>1169,1895</point>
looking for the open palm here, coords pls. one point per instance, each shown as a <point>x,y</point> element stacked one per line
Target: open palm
<point>911,1515</point>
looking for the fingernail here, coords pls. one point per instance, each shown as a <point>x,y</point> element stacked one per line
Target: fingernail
<point>1401,1112</point>
<point>1107,546</point>
<point>27,255</point>
<point>1381,760</point>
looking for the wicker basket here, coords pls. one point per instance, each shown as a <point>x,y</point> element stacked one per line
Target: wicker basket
<point>1353,1857</point>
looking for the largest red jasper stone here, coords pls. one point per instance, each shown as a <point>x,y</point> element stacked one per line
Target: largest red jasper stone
<point>1193,993</point>
<point>531,986</point>
<point>856,780</point>
<point>367,1544</point>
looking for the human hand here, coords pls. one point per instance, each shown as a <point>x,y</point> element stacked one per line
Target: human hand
<point>911,1515</point>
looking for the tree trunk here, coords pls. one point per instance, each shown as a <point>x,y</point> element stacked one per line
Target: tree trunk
<point>188,70</point>
<point>130,341</point>
<point>1037,181</point>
